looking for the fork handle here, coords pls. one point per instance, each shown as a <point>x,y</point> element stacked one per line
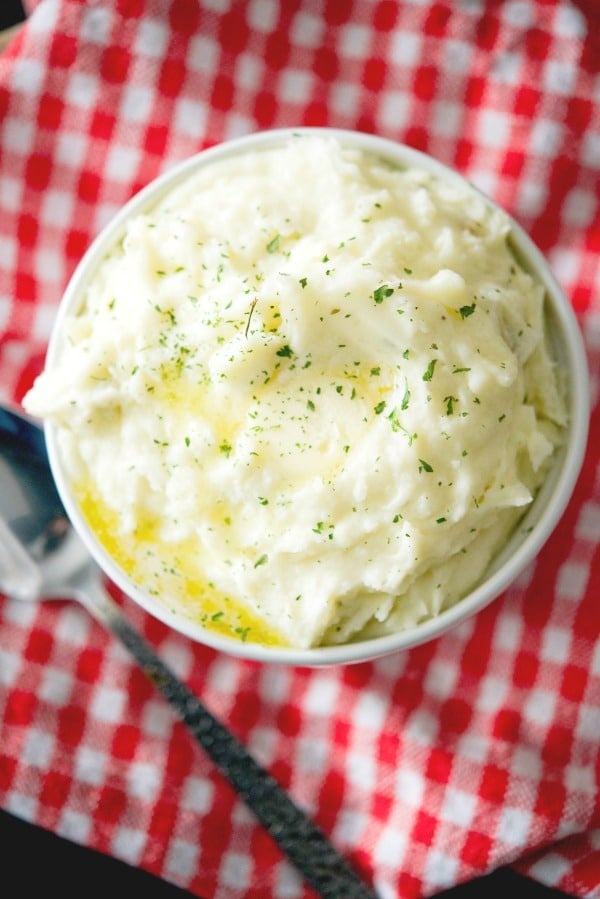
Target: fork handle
<point>307,847</point>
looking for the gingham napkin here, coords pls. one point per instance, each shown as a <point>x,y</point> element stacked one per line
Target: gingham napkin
<point>426,768</point>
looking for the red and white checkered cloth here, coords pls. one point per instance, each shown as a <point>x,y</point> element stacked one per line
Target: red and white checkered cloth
<point>429,767</point>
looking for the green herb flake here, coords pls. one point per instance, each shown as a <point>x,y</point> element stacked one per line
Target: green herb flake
<point>285,351</point>
<point>406,397</point>
<point>425,466</point>
<point>273,244</point>
<point>394,420</point>
<point>430,369</point>
<point>261,561</point>
<point>466,311</point>
<point>382,293</point>
<point>450,400</point>
<point>378,409</point>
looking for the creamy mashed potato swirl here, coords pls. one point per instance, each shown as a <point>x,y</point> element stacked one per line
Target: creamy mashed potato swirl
<point>308,395</point>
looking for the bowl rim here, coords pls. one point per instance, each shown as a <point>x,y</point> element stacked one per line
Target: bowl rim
<point>531,533</point>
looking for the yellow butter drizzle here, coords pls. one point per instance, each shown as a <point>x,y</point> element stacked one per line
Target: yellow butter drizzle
<point>168,572</point>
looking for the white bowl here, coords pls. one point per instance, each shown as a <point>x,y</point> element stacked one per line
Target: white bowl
<point>542,517</point>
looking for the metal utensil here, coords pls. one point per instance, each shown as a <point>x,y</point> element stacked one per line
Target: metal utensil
<point>41,557</point>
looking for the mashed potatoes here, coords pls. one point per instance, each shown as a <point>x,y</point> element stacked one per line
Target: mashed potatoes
<point>308,395</point>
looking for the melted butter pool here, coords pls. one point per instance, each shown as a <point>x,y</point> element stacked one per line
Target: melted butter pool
<point>168,572</point>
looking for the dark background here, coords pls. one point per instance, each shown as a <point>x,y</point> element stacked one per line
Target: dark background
<point>11,12</point>
<point>38,861</point>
